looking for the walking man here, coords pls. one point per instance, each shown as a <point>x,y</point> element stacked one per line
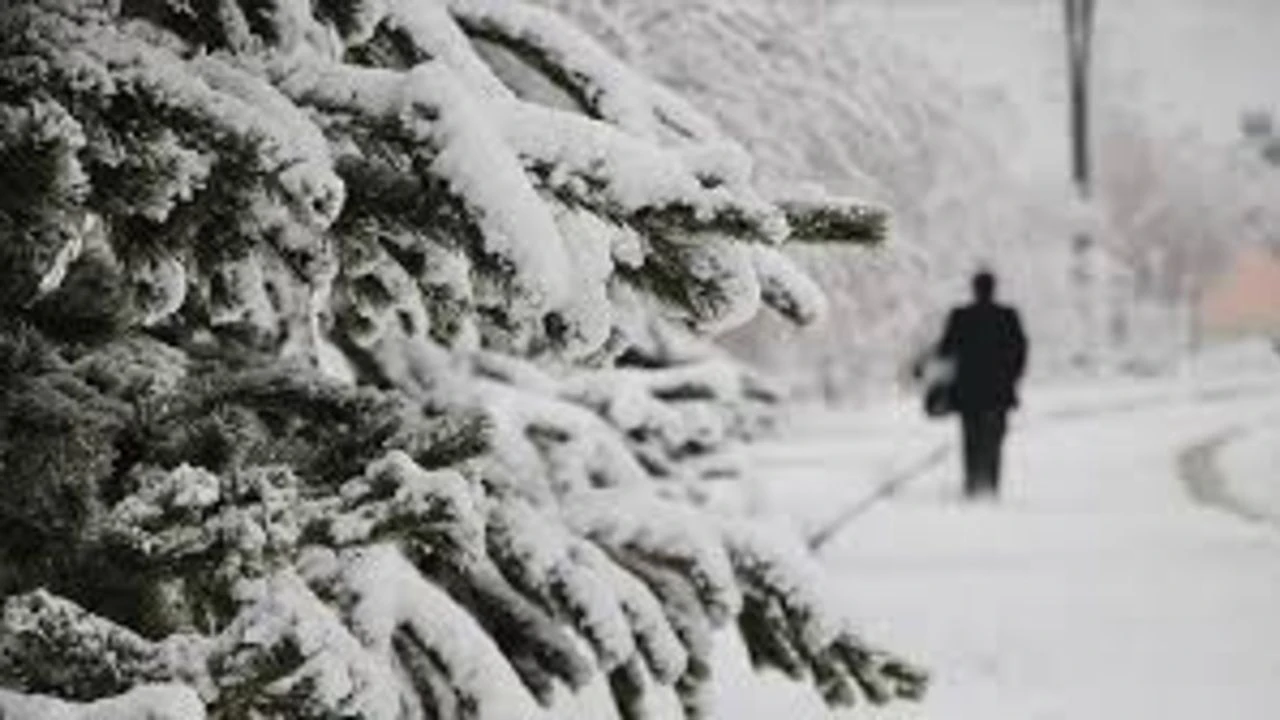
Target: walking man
<point>985,342</point>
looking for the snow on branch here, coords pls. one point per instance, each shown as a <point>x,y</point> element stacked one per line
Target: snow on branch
<point>787,289</point>
<point>156,702</point>
<point>606,87</point>
<point>623,176</point>
<point>539,556</point>
<point>452,138</point>
<point>669,533</point>
<point>790,622</point>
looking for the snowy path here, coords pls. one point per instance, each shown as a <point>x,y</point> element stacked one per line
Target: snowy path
<point>1098,588</point>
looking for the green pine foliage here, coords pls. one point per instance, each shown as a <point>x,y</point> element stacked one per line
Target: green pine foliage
<point>340,377</point>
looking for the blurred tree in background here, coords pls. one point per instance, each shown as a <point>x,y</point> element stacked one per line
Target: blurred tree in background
<point>867,114</point>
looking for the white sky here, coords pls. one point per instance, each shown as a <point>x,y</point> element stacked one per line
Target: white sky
<point>1194,63</point>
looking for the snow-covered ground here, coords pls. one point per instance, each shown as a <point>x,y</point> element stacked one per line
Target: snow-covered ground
<point>1105,583</point>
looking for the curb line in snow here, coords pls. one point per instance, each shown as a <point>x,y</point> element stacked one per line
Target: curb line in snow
<point>883,490</point>
<point>1200,471</point>
<point>1205,394</point>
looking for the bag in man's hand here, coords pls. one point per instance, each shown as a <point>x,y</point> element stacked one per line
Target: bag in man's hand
<point>939,386</point>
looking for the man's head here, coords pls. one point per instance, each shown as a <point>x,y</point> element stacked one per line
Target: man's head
<point>984,286</point>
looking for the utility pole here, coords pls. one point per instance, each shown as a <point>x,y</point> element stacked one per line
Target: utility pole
<point>1085,255</point>
<point>1079,27</point>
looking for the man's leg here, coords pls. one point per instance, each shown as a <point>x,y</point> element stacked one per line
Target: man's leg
<point>994,423</point>
<point>982,454</point>
<point>982,443</point>
<point>971,437</point>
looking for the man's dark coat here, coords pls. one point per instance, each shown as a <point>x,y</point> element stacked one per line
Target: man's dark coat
<point>986,342</point>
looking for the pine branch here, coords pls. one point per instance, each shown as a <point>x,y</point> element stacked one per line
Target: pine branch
<point>835,220</point>
<point>607,87</point>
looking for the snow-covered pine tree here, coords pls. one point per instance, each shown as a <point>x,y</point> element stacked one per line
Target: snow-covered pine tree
<point>341,371</point>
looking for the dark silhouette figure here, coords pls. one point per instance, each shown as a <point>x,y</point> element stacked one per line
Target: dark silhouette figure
<point>985,342</point>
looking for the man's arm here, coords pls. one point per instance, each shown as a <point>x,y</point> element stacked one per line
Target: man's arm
<point>949,346</point>
<point>1019,349</point>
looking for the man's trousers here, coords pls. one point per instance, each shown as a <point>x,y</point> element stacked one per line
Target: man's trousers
<point>983,433</point>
